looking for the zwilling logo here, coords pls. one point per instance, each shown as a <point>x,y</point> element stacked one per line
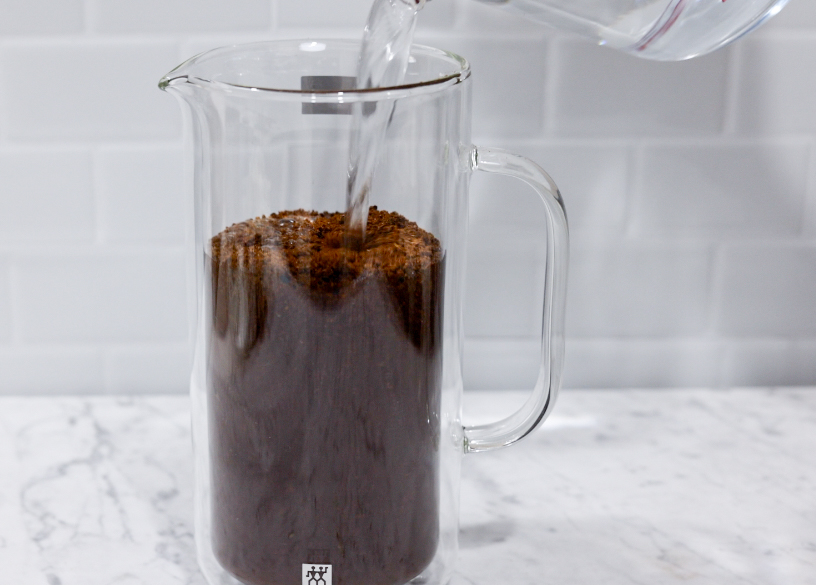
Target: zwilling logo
<point>314,574</point>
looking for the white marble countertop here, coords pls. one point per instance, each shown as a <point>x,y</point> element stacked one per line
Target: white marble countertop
<point>619,487</point>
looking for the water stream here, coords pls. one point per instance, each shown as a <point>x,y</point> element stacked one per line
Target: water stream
<point>383,61</point>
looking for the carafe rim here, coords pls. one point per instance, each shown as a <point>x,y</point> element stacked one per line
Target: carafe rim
<point>186,74</point>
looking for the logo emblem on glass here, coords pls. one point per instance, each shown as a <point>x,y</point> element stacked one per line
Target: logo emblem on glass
<point>317,574</point>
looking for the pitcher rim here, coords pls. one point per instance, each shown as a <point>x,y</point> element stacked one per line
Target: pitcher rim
<point>178,76</point>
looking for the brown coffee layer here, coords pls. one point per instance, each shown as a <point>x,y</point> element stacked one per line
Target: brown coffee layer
<point>324,375</point>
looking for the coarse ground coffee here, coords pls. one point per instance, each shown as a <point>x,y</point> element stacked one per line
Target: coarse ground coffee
<point>324,374</point>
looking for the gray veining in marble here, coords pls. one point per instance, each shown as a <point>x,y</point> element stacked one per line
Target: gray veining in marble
<point>99,491</point>
<point>619,487</point>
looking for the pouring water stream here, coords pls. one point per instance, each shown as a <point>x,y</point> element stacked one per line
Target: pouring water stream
<point>383,62</point>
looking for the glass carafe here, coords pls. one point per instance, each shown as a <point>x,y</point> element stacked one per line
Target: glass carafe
<point>327,378</point>
<point>664,30</point>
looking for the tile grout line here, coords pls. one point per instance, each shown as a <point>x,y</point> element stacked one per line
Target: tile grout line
<point>634,189</point>
<point>273,17</point>
<point>551,81</point>
<point>97,198</point>
<point>732,102</point>
<point>87,19</point>
<point>808,224</point>
<point>4,110</point>
<point>14,303</point>
<point>713,293</point>
<point>107,369</point>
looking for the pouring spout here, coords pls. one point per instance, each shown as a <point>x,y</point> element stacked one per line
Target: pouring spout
<point>179,75</point>
<point>167,82</point>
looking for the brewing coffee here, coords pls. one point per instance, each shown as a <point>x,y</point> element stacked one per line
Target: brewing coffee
<point>324,374</point>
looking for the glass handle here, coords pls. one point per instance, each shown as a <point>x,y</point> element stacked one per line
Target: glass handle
<point>540,402</point>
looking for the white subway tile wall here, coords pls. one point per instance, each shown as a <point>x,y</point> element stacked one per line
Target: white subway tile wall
<point>770,362</point>
<point>317,14</point>
<point>140,195</point>
<point>44,17</point>
<point>506,280</point>
<point>690,189</point>
<point>100,297</point>
<point>643,362</point>
<point>639,289</point>
<point>47,196</point>
<point>609,93</point>
<point>76,89</point>
<point>50,369</point>
<point>766,290</point>
<point>177,16</point>
<point>509,81</point>
<point>158,368</point>
<point>721,191</point>
<point>773,76</point>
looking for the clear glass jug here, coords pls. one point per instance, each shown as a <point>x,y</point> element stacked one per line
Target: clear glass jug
<point>327,379</point>
<point>664,30</point>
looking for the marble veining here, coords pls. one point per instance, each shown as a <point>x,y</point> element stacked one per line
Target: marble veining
<point>619,487</point>
<point>102,492</point>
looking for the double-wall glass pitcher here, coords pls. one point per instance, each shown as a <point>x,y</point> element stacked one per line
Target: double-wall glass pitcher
<point>327,377</point>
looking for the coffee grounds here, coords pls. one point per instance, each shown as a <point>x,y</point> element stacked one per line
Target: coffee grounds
<point>324,377</point>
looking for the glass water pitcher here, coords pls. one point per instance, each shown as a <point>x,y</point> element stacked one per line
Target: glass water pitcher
<point>663,30</point>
